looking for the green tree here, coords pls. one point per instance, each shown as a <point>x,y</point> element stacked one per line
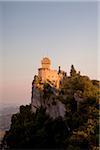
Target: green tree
<point>72,71</point>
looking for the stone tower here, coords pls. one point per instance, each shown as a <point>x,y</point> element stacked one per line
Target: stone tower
<point>45,73</point>
<point>46,63</point>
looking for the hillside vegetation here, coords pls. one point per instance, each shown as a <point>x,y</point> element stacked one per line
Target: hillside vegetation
<point>77,130</point>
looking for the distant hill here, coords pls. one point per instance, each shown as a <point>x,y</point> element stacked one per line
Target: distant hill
<point>5,116</point>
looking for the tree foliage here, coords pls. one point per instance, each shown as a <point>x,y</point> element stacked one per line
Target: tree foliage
<point>72,71</point>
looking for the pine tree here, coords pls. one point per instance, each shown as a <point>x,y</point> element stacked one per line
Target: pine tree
<point>72,71</point>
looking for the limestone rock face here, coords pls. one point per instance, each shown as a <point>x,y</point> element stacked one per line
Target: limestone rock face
<point>54,107</point>
<point>56,110</point>
<point>35,100</point>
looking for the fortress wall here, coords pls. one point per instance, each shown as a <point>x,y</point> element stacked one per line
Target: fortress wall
<point>47,74</point>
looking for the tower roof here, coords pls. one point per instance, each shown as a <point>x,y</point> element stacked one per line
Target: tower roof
<point>46,60</point>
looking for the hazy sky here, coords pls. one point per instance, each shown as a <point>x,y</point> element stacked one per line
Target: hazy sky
<point>64,31</point>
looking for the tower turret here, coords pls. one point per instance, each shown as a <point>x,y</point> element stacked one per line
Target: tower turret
<point>46,62</point>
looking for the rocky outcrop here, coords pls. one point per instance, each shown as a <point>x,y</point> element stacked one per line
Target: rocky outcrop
<point>51,103</point>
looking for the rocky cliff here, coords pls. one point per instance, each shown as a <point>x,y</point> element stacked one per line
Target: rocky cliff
<point>47,96</point>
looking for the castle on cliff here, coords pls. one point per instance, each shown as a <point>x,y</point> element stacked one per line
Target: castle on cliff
<point>54,79</point>
<point>45,73</point>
